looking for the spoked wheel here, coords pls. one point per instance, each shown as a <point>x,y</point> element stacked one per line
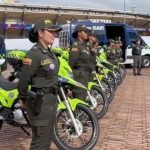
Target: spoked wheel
<point>65,136</point>
<point>118,76</point>
<point>108,89</point>
<point>112,80</point>
<point>101,101</point>
<point>1,119</point>
<point>123,70</point>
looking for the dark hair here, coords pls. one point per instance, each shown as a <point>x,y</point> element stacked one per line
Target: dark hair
<point>33,37</point>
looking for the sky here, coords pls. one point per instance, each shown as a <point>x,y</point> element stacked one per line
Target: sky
<point>137,6</point>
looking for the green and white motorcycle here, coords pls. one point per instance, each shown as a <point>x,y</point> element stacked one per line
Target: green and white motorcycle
<point>96,97</point>
<point>76,125</point>
<point>75,121</point>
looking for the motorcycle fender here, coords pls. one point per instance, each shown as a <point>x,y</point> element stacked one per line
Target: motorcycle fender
<point>73,103</point>
<point>101,76</point>
<point>90,84</point>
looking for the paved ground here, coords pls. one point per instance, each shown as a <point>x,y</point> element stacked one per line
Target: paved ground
<point>126,126</point>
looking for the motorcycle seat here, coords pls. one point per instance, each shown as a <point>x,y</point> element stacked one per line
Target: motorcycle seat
<point>6,85</point>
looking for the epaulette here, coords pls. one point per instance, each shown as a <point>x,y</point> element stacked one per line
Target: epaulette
<point>74,49</point>
<point>35,47</point>
<point>75,43</point>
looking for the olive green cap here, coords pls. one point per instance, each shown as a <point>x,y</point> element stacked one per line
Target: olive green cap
<point>117,42</point>
<point>80,28</point>
<point>92,33</point>
<point>111,41</point>
<point>46,24</point>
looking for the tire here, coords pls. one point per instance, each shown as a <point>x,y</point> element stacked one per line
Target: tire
<point>123,70</point>
<point>1,119</point>
<point>118,76</point>
<point>62,118</point>
<point>102,101</point>
<point>145,61</point>
<point>112,80</point>
<point>109,92</point>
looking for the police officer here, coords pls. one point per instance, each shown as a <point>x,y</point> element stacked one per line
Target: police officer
<point>79,59</point>
<point>3,67</point>
<point>118,51</point>
<point>136,52</point>
<point>93,49</point>
<point>40,70</point>
<point>110,51</point>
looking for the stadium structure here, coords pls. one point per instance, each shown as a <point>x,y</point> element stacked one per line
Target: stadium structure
<point>16,18</point>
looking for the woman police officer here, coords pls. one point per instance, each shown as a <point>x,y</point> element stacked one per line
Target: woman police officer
<point>79,59</point>
<point>40,70</point>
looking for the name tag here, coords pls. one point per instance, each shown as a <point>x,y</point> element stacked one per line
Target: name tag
<point>46,61</point>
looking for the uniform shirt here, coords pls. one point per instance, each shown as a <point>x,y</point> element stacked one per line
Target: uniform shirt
<point>40,69</point>
<point>110,53</point>
<point>118,52</point>
<point>92,57</point>
<point>79,56</point>
<point>136,49</point>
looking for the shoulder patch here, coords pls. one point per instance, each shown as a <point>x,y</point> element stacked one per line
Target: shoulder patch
<point>75,43</point>
<point>34,47</point>
<point>27,61</point>
<point>74,49</point>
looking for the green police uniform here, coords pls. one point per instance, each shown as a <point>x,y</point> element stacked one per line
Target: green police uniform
<point>92,58</point>
<point>110,54</point>
<point>3,67</point>
<point>118,54</point>
<point>136,52</point>
<point>40,70</point>
<point>79,62</point>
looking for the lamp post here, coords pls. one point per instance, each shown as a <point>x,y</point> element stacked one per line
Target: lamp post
<point>124,11</point>
<point>133,11</point>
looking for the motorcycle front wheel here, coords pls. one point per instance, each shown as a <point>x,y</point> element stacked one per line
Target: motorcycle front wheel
<point>65,136</point>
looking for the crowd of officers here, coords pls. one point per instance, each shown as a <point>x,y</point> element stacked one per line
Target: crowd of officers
<point>83,55</point>
<point>40,70</point>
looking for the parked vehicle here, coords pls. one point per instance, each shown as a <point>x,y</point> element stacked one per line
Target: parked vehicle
<point>106,31</point>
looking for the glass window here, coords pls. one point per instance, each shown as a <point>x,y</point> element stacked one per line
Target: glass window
<point>64,39</point>
<point>132,37</point>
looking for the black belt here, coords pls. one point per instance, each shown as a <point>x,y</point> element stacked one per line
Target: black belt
<point>82,69</point>
<point>45,90</point>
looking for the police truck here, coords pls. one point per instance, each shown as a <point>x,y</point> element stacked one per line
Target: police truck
<point>106,30</point>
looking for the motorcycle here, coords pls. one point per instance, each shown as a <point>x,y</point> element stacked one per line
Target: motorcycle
<point>76,125</point>
<point>80,120</point>
<point>95,96</point>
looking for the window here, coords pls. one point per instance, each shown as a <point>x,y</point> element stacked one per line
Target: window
<point>64,39</point>
<point>132,37</point>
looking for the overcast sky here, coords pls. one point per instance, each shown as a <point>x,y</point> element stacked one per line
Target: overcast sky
<point>142,6</point>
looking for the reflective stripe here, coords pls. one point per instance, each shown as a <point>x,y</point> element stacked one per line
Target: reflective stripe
<point>16,54</point>
<point>2,56</point>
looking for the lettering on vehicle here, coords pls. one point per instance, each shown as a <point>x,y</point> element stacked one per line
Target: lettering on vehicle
<point>98,28</point>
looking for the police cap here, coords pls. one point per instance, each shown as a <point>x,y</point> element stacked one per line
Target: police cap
<point>79,28</point>
<point>111,41</point>
<point>117,42</point>
<point>92,33</point>
<point>46,24</point>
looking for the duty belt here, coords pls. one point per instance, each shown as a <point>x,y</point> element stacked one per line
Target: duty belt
<point>86,69</point>
<point>45,90</point>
